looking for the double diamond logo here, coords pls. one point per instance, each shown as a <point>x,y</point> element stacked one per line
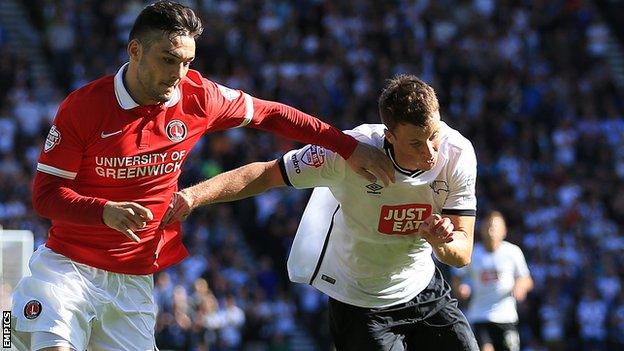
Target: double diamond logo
<point>373,188</point>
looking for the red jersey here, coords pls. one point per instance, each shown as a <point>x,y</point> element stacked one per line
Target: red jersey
<point>111,148</point>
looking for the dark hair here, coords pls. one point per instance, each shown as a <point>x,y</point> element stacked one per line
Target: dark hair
<point>407,99</point>
<point>165,16</point>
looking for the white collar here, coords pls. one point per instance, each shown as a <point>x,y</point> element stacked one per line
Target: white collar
<point>126,101</point>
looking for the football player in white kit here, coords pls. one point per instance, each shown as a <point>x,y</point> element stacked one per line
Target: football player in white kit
<point>496,279</point>
<point>368,245</point>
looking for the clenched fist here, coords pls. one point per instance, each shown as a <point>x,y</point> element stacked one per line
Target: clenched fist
<point>436,230</point>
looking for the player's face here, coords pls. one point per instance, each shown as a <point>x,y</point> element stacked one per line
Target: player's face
<point>494,231</point>
<point>163,64</point>
<point>416,147</point>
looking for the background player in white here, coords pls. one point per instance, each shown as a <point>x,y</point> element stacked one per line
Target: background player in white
<point>496,279</point>
<point>375,259</point>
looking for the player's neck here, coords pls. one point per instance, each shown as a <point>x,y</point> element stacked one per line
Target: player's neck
<point>400,160</point>
<point>492,246</point>
<point>133,86</point>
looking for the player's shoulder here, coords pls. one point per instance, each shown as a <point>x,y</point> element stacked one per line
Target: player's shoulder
<point>194,79</point>
<point>457,144</point>
<point>98,90</point>
<point>511,247</point>
<point>371,134</point>
<point>92,98</point>
<point>455,139</point>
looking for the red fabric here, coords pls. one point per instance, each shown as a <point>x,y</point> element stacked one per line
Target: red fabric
<point>52,197</point>
<point>271,118</point>
<point>101,152</point>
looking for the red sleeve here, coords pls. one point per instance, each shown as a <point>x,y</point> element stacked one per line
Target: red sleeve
<point>294,124</point>
<point>52,198</point>
<point>230,108</point>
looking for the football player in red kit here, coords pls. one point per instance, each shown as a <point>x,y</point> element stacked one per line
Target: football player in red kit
<point>108,168</point>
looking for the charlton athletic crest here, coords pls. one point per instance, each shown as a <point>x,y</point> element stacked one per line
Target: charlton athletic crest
<point>176,130</point>
<point>32,309</point>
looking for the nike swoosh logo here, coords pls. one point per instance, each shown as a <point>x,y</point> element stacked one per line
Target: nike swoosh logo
<point>106,135</point>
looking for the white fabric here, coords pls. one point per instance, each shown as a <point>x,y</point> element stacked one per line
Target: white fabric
<point>492,276</point>
<point>56,171</point>
<point>88,307</point>
<point>370,258</point>
<point>42,340</point>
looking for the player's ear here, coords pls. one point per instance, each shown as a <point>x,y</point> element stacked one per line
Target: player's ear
<point>389,136</point>
<point>135,50</point>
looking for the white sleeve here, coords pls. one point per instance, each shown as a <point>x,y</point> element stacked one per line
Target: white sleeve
<point>462,178</point>
<point>312,166</point>
<point>521,269</point>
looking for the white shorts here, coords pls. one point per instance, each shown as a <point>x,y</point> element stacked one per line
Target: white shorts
<point>88,307</point>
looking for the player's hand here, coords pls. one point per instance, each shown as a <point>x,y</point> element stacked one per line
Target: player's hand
<point>464,291</point>
<point>126,217</point>
<point>372,164</point>
<point>519,293</point>
<point>436,230</point>
<point>179,208</point>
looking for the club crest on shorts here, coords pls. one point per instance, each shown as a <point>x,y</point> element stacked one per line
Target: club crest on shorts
<point>53,139</point>
<point>32,309</point>
<point>176,130</point>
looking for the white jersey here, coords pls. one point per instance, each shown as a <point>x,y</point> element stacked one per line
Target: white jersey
<point>492,276</point>
<point>355,242</point>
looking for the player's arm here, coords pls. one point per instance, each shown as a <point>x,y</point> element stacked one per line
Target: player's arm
<point>451,238</point>
<point>307,167</point>
<point>523,281</point>
<point>229,108</point>
<point>458,282</point>
<point>53,197</point>
<point>367,161</point>
<point>246,181</point>
<point>53,194</point>
<point>243,182</point>
<point>521,288</point>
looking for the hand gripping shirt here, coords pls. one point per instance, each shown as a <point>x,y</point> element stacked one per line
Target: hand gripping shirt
<point>356,241</point>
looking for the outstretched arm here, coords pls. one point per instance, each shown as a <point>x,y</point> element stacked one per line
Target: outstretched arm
<point>240,183</point>
<point>365,160</point>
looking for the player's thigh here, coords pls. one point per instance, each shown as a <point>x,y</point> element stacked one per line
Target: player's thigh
<point>358,329</point>
<point>448,329</point>
<point>128,322</point>
<point>44,341</point>
<point>53,299</point>
<point>483,333</point>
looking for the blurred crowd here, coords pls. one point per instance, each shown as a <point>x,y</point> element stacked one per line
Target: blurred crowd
<point>526,81</point>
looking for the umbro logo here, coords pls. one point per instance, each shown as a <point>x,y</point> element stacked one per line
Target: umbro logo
<point>373,188</point>
<point>106,135</point>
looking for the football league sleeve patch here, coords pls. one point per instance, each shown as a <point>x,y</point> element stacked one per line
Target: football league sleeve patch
<point>61,154</point>
<point>312,166</point>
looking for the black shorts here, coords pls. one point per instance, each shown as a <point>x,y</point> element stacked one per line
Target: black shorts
<point>430,321</point>
<point>503,336</point>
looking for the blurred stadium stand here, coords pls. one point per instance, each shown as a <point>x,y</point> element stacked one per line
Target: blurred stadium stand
<point>536,85</point>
